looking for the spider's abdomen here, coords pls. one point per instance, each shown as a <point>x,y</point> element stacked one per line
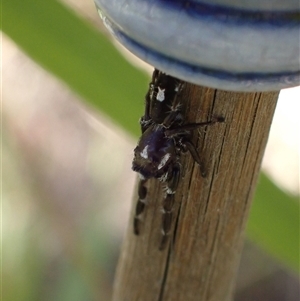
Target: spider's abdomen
<point>154,153</point>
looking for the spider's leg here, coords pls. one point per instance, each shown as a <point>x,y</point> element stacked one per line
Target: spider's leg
<point>176,107</point>
<point>167,205</point>
<point>176,102</point>
<point>186,143</point>
<point>182,129</point>
<point>145,120</point>
<point>192,149</point>
<point>140,206</point>
<point>172,117</point>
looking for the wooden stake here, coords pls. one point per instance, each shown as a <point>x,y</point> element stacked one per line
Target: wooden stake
<point>210,214</point>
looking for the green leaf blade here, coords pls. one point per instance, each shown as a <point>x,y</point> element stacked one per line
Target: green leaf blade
<point>79,55</point>
<point>274,222</point>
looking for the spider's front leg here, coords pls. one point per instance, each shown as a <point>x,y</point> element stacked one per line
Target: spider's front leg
<point>188,145</point>
<point>175,114</point>
<point>140,206</point>
<point>168,203</point>
<point>145,120</point>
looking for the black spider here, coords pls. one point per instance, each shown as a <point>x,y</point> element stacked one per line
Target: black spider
<point>164,137</point>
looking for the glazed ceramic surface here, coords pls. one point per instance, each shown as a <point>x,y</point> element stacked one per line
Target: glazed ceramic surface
<point>227,44</point>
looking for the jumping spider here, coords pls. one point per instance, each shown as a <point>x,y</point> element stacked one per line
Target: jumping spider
<point>165,135</point>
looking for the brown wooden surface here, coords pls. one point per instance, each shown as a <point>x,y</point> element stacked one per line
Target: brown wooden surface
<point>210,214</point>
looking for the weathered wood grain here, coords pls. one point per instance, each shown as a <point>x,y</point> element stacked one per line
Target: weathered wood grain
<point>210,214</point>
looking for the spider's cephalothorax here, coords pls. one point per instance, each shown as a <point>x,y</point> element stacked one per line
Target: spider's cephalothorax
<point>165,135</point>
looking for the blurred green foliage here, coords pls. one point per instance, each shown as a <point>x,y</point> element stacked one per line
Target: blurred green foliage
<point>78,54</point>
<point>274,222</point>
<point>86,60</point>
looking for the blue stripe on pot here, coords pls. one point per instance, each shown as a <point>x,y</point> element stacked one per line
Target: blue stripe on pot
<point>218,46</point>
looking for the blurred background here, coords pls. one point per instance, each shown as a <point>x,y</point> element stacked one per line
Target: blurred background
<point>67,181</point>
